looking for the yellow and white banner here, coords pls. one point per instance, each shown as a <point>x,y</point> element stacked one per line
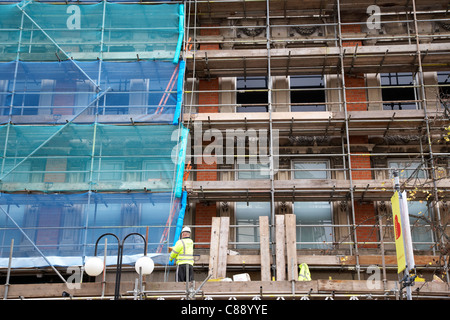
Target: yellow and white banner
<point>397,220</point>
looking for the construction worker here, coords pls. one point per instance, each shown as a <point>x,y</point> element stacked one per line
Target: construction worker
<point>304,274</point>
<point>183,252</point>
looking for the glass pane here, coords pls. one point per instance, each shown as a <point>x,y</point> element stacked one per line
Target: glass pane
<point>249,215</point>
<point>312,170</point>
<point>308,93</point>
<point>408,169</point>
<point>311,216</point>
<point>256,171</point>
<point>396,87</point>
<point>420,232</point>
<point>254,95</point>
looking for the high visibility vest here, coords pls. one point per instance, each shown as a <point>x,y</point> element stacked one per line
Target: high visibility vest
<point>304,274</point>
<point>183,251</point>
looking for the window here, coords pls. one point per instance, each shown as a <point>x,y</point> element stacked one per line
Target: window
<point>20,174</point>
<point>78,170</point>
<point>252,94</point>
<point>248,215</point>
<point>444,89</point>
<point>111,170</point>
<point>311,170</point>
<point>25,103</point>
<point>397,87</point>
<point>155,170</point>
<point>117,100</point>
<point>253,171</point>
<point>313,221</point>
<point>444,83</point>
<point>408,169</point>
<point>307,93</point>
<point>421,234</point>
<point>26,96</point>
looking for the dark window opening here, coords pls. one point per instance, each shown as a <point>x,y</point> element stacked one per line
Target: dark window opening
<point>307,93</point>
<point>444,90</point>
<point>397,87</point>
<point>252,94</point>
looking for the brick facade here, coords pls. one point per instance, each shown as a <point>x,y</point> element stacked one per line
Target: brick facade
<point>356,100</point>
<point>206,211</point>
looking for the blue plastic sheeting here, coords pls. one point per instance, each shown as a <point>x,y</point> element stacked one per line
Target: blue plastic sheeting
<point>66,227</point>
<point>92,158</point>
<point>181,159</point>
<point>180,221</point>
<point>89,31</point>
<point>180,34</point>
<point>55,92</point>
<point>180,86</point>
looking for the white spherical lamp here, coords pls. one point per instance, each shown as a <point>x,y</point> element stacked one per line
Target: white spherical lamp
<point>94,266</point>
<point>145,265</point>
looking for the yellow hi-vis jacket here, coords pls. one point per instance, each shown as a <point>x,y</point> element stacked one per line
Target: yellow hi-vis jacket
<point>304,274</point>
<point>183,251</point>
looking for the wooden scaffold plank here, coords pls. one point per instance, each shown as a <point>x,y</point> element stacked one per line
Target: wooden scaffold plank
<point>223,247</point>
<point>280,247</point>
<point>264,247</point>
<point>291,248</point>
<point>214,247</point>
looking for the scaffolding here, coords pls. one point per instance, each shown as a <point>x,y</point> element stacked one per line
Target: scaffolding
<point>91,137</point>
<point>382,74</point>
<point>353,51</point>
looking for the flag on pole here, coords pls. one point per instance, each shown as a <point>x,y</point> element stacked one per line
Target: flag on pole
<point>397,220</point>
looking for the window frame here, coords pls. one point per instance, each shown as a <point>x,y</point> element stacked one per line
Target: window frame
<point>313,88</point>
<point>242,109</point>
<point>423,170</point>
<point>254,230</point>
<point>325,161</point>
<point>396,86</point>
<point>261,176</point>
<point>328,228</point>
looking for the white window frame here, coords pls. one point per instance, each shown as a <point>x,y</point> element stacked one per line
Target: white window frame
<point>255,229</point>
<point>319,245</point>
<point>101,171</point>
<point>327,172</point>
<point>313,88</point>
<point>260,178</point>
<point>406,161</point>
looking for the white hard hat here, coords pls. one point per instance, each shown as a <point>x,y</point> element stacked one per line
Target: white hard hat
<point>186,229</point>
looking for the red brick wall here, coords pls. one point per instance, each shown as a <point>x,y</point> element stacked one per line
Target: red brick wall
<point>356,98</point>
<point>349,30</point>
<point>365,215</point>
<point>211,99</point>
<point>360,160</point>
<point>209,32</point>
<point>364,212</point>
<point>357,101</point>
<point>206,211</point>
<point>207,175</point>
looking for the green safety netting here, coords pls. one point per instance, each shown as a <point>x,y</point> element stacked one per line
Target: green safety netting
<point>69,71</point>
<point>62,229</point>
<point>41,32</point>
<point>97,157</point>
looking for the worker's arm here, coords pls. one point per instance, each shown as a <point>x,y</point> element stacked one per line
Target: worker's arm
<point>176,250</point>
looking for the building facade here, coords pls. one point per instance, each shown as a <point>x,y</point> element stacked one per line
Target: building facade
<point>295,116</point>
